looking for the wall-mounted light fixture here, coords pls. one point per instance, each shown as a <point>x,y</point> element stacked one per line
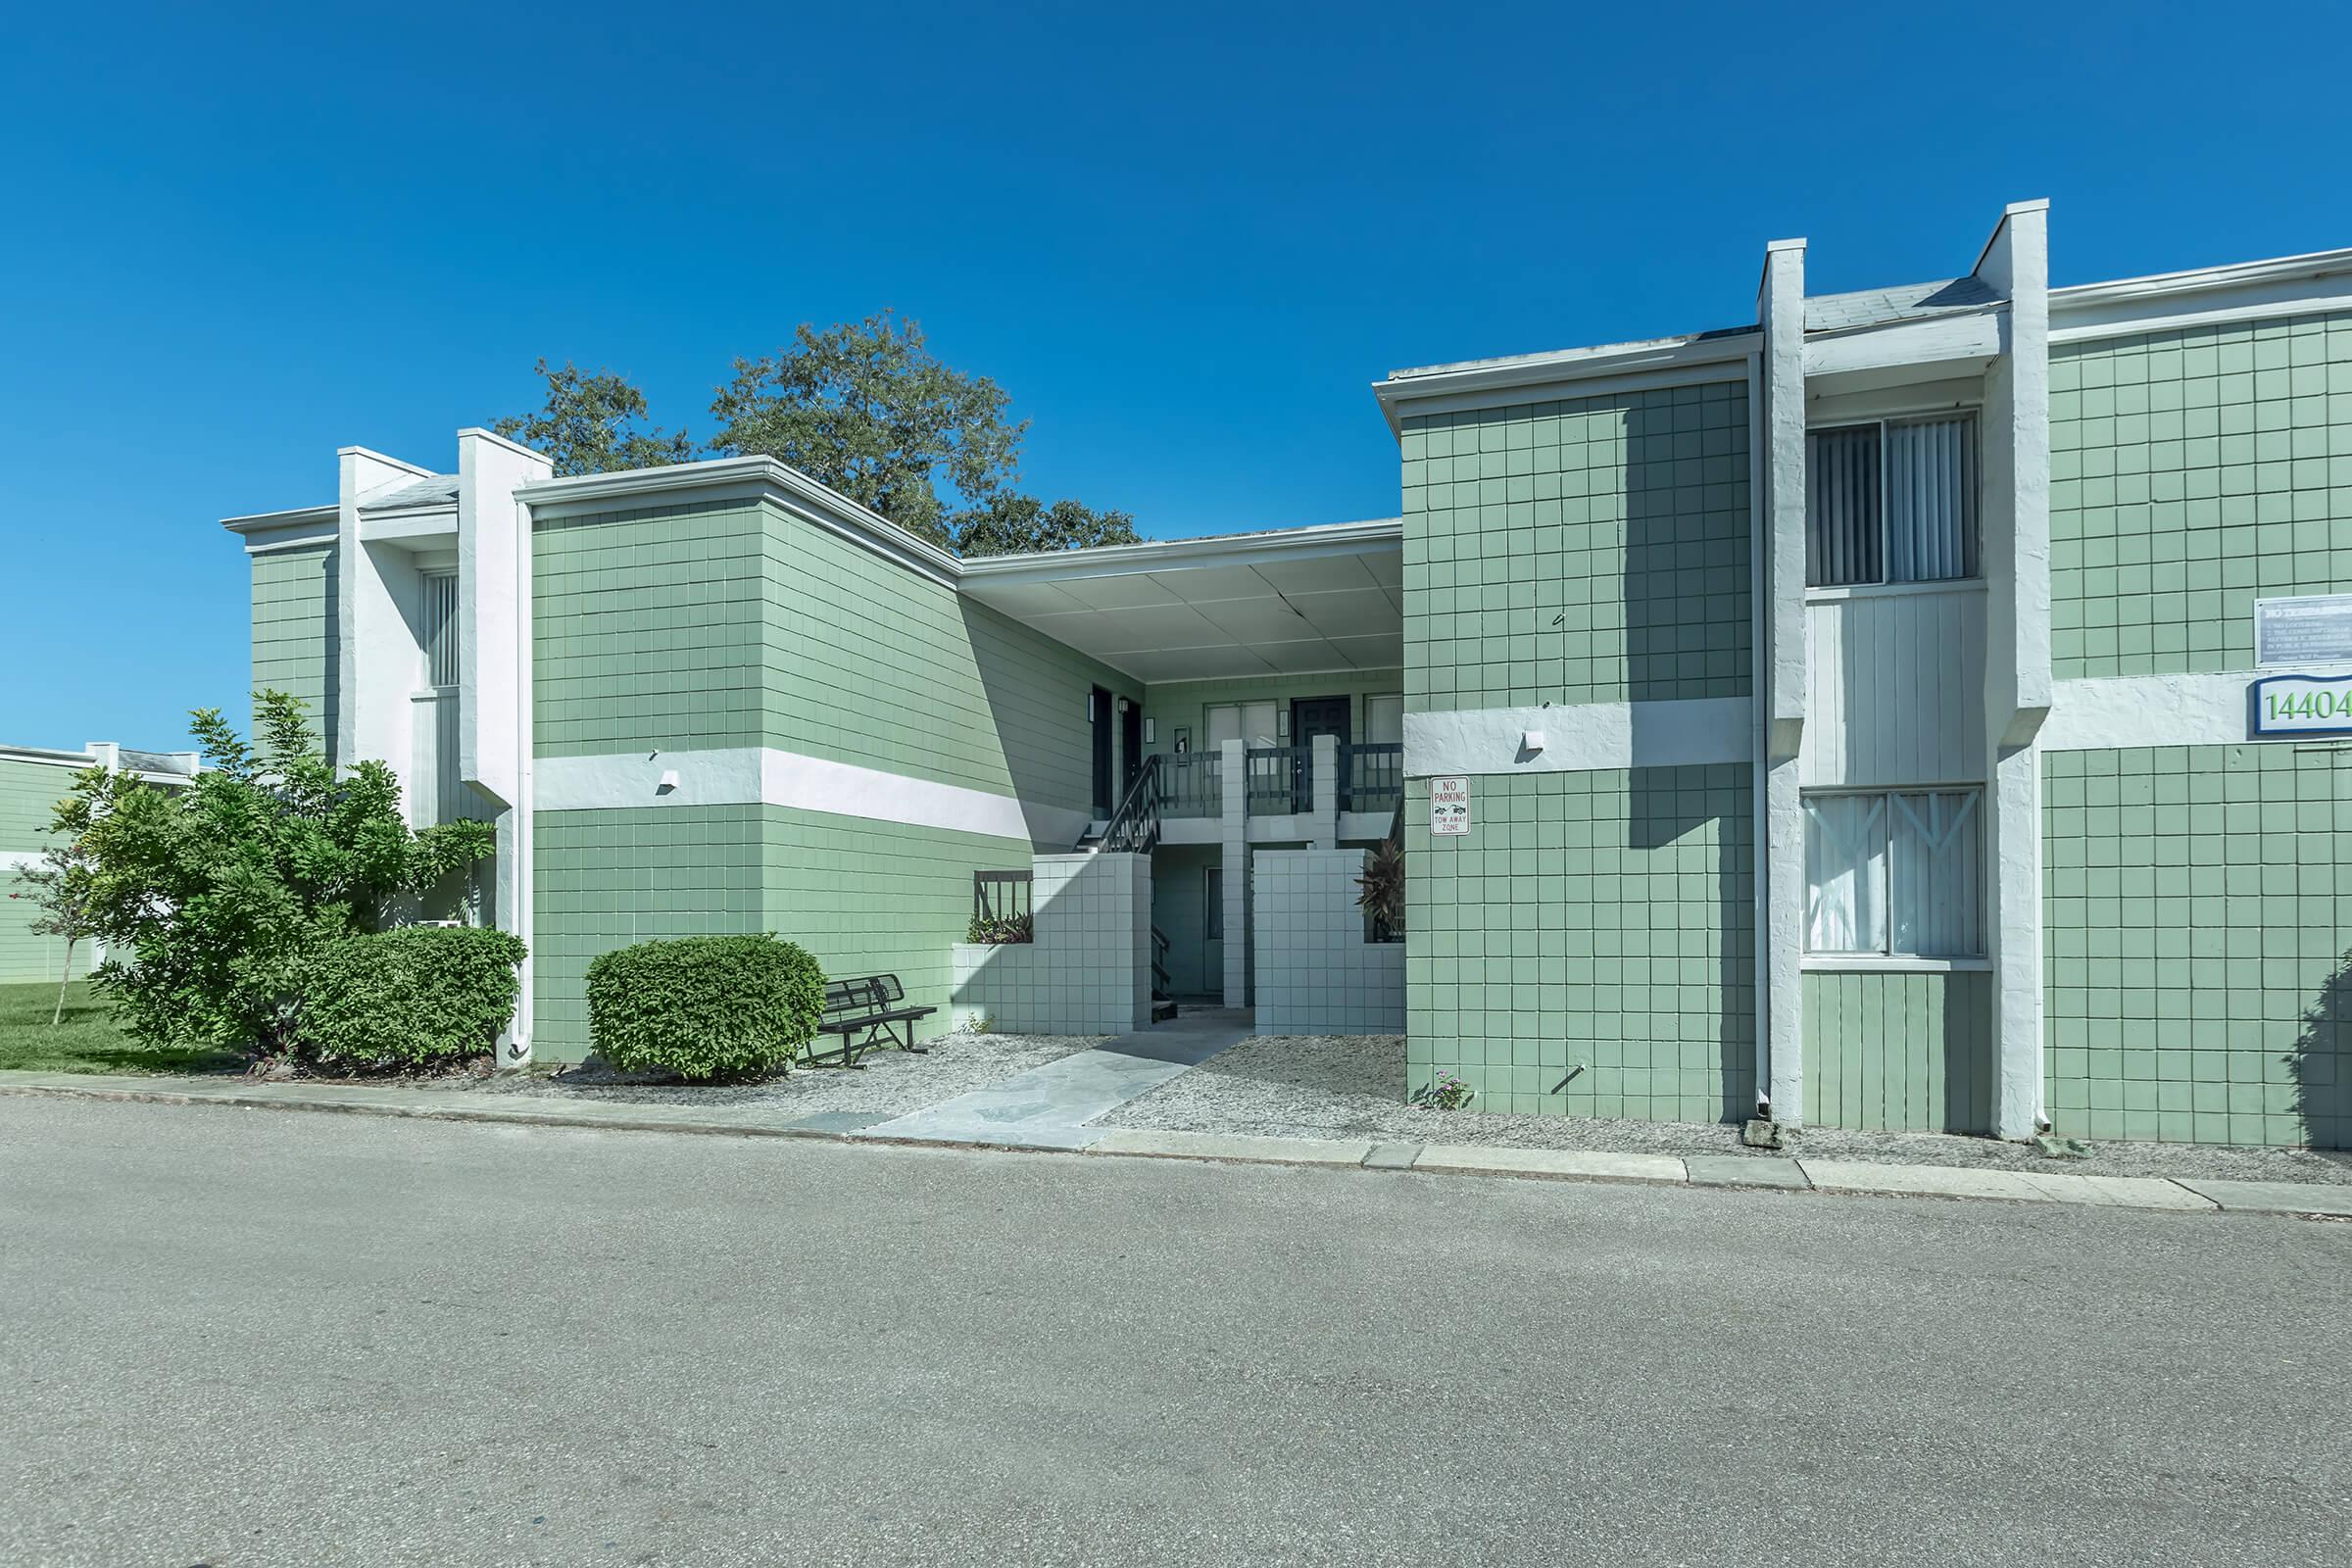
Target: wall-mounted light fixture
<point>1282,721</point>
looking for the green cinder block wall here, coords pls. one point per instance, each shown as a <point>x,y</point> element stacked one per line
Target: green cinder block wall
<point>1904,1052</point>
<point>2197,908</point>
<point>1588,551</point>
<point>28,796</point>
<point>729,624</point>
<point>2191,473</point>
<point>1588,947</point>
<point>295,646</point>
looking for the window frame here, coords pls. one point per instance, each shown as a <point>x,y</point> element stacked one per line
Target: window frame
<point>1888,959</point>
<point>439,586</point>
<point>1973,413</point>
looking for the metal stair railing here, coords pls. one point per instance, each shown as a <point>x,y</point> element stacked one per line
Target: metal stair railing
<point>1134,828</point>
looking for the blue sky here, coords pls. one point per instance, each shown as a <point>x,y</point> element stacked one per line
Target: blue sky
<point>1185,240</point>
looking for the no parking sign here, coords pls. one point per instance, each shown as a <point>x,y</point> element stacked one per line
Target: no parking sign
<point>1449,806</point>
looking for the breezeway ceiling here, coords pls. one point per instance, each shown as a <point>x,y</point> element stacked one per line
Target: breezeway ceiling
<point>1261,607</point>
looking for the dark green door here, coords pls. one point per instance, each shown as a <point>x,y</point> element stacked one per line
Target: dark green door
<point>1312,717</point>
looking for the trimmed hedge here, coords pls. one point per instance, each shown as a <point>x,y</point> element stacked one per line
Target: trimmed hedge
<point>417,995</point>
<point>705,1006</point>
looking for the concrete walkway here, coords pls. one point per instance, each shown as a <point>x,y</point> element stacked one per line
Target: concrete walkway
<point>1048,1106</point>
<point>1050,1113</point>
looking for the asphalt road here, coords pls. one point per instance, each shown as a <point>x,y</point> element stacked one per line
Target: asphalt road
<point>242,1338</point>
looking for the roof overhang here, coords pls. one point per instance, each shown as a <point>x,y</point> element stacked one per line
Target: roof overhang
<point>1292,601</point>
<point>1574,372</point>
<point>750,479</point>
<point>2285,285</point>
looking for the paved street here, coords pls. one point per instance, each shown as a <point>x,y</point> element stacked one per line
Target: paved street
<point>240,1337</point>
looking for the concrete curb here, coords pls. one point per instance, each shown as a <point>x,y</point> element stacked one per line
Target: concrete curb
<point>1758,1173</point>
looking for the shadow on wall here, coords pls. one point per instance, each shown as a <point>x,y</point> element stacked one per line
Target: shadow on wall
<point>2322,1063</point>
<point>1686,563</point>
<point>1665,806</point>
<point>1039,715</point>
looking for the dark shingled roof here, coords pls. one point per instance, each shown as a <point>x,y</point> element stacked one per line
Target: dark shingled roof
<point>1875,307</point>
<point>436,490</point>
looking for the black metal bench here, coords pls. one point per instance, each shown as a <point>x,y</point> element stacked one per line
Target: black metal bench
<point>867,1013</point>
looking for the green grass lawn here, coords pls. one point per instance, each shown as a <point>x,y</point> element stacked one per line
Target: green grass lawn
<point>86,1041</point>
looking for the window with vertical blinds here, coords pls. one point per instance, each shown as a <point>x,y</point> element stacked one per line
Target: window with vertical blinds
<point>1892,501</point>
<point>1897,876</point>
<point>440,628</point>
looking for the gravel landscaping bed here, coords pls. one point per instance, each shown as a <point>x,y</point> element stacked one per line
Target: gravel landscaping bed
<point>888,1083</point>
<point>1337,1086</point>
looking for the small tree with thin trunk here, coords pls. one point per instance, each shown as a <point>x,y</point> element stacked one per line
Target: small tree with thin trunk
<point>61,884</point>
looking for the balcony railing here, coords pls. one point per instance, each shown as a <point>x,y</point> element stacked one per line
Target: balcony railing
<point>1372,776</point>
<point>1001,911</point>
<point>1280,780</point>
<point>1192,784</point>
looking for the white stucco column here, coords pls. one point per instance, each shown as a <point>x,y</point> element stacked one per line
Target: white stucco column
<point>494,665</point>
<point>1233,838</point>
<point>379,665</point>
<point>1781,856</point>
<point>1324,757</point>
<point>2016,549</point>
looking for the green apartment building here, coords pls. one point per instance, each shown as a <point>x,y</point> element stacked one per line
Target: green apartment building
<point>33,780</point>
<point>1920,708</point>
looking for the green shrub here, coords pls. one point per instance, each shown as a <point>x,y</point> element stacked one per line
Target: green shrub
<point>419,996</point>
<point>705,1006</point>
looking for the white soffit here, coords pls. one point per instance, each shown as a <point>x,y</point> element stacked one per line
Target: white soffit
<point>1208,609</point>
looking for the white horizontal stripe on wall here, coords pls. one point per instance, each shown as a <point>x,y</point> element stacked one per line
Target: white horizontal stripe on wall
<point>2118,710</point>
<point>1579,737</point>
<point>750,775</point>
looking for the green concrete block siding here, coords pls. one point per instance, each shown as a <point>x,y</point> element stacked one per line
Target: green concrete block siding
<point>864,898</point>
<point>647,630</point>
<point>2197,905</point>
<point>1588,551</point>
<point>728,624</point>
<point>28,796</point>
<point>2192,472</point>
<point>296,647</point>
<point>1903,1051</point>
<point>1602,918</point>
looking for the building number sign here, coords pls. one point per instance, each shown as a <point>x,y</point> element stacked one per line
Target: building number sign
<point>2303,705</point>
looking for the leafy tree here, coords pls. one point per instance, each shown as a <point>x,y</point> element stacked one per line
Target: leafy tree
<point>863,407</point>
<point>866,408</point>
<point>591,426</point>
<point>61,884</point>
<point>1012,525</point>
<point>211,897</point>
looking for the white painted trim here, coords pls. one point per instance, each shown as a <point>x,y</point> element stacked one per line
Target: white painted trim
<point>410,522</point>
<point>761,477</point>
<point>15,860</point>
<point>1579,737</point>
<point>1170,554</point>
<point>2201,709</point>
<point>271,521</point>
<point>2237,291</point>
<point>1892,590</point>
<point>1967,336</point>
<point>1898,963</point>
<point>1557,380</point>
<point>750,775</point>
<point>311,541</point>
